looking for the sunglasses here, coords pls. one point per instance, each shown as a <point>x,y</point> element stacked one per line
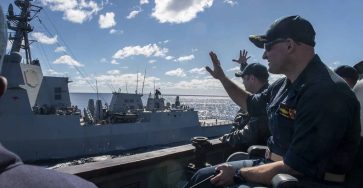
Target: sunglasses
<point>268,46</point>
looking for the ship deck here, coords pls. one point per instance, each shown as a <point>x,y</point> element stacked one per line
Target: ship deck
<point>161,168</point>
<point>214,122</point>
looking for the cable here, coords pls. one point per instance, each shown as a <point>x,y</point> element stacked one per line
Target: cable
<point>82,73</point>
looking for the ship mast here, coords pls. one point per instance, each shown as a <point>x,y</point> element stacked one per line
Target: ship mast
<point>143,82</point>
<point>137,81</point>
<point>19,24</point>
<point>97,89</point>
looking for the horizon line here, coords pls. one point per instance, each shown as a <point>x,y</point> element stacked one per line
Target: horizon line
<point>206,95</point>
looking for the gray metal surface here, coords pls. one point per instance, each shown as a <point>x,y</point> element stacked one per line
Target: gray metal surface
<point>39,123</point>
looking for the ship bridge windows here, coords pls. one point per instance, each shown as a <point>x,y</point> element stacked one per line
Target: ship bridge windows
<point>129,101</point>
<point>57,97</point>
<point>57,93</point>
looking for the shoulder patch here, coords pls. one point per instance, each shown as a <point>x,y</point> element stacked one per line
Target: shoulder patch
<point>287,112</point>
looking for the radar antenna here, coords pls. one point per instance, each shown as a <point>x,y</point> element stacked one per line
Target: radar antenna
<point>20,24</point>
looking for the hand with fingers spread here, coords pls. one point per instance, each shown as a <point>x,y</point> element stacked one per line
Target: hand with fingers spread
<point>225,175</point>
<point>242,60</point>
<point>218,72</point>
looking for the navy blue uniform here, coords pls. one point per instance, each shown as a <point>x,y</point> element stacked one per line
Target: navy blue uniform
<point>254,132</point>
<point>314,122</point>
<point>14,173</point>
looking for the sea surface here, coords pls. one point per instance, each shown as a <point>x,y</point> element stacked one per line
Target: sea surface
<point>208,107</point>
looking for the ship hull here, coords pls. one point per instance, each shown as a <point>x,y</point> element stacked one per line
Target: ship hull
<point>48,137</point>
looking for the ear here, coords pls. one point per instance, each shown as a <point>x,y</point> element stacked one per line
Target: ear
<point>3,85</point>
<point>290,44</point>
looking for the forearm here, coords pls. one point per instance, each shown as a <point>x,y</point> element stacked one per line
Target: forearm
<point>237,94</point>
<point>264,173</point>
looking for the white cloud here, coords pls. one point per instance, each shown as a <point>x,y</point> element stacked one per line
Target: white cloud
<point>115,31</point>
<point>107,20</point>
<point>185,58</point>
<point>133,14</point>
<point>231,2</point>
<point>76,11</point>
<point>60,49</point>
<point>42,38</point>
<point>177,72</point>
<point>114,72</point>
<point>114,62</point>
<point>164,42</point>
<point>152,61</point>
<point>82,82</point>
<point>74,15</point>
<point>194,49</point>
<point>92,5</point>
<point>68,60</point>
<point>233,69</point>
<point>144,2</point>
<point>60,5</point>
<point>179,11</point>
<point>198,70</point>
<point>169,57</point>
<point>54,73</point>
<point>111,78</point>
<point>148,50</point>
<point>204,84</point>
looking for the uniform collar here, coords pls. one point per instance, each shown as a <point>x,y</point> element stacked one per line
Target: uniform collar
<point>307,73</point>
<point>263,87</point>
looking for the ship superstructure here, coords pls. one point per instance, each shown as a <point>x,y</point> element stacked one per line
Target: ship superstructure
<point>38,121</point>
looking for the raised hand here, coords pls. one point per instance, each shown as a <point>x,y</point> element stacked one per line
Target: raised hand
<point>242,60</point>
<point>217,71</point>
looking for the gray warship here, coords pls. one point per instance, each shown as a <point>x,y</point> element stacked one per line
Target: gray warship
<point>39,123</point>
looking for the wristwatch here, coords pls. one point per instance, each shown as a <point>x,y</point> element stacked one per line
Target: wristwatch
<point>238,178</point>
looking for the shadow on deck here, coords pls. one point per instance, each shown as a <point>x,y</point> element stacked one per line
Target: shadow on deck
<point>160,168</point>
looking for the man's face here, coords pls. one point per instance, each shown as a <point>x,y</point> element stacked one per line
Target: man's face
<point>275,54</point>
<point>349,81</point>
<point>247,82</point>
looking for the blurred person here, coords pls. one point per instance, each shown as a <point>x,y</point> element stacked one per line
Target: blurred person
<point>249,130</point>
<point>348,73</point>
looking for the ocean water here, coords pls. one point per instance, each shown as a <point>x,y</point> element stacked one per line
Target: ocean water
<point>208,107</point>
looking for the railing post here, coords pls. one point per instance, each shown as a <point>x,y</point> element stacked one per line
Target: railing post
<point>202,147</point>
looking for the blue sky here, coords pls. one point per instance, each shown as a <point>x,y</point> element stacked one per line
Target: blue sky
<point>110,41</point>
